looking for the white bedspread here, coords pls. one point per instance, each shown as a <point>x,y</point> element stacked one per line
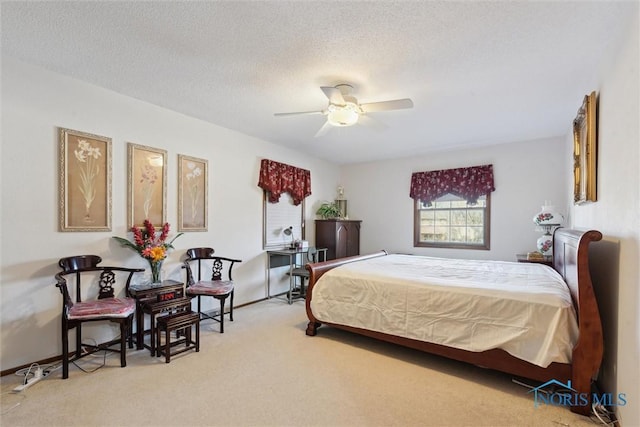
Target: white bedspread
<point>522,308</point>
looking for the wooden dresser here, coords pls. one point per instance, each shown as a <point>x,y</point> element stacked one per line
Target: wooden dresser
<point>341,237</point>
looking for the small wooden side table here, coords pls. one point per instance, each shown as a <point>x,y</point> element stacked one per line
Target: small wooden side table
<point>546,260</point>
<point>159,306</point>
<point>179,322</point>
<point>167,290</point>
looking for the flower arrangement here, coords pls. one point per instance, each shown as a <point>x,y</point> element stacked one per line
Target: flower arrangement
<point>149,246</point>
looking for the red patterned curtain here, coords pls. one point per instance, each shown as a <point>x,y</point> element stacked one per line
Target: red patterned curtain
<point>278,178</point>
<point>468,183</point>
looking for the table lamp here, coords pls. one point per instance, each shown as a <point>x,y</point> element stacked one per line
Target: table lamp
<point>341,203</point>
<point>289,232</point>
<point>548,219</point>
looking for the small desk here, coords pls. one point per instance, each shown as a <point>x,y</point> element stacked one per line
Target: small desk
<point>290,256</point>
<point>144,291</point>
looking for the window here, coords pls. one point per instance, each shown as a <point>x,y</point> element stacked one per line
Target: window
<point>284,187</point>
<point>277,217</point>
<point>451,222</point>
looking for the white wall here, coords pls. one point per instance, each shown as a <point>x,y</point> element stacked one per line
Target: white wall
<point>617,215</point>
<point>525,175</point>
<point>35,103</point>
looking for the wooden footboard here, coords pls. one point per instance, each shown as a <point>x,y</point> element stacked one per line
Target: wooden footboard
<point>317,270</point>
<point>572,262</point>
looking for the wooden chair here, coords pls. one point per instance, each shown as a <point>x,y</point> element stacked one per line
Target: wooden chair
<point>85,271</point>
<point>313,255</point>
<point>215,287</point>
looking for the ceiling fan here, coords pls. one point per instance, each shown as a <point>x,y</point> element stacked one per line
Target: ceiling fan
<point>344,109</point>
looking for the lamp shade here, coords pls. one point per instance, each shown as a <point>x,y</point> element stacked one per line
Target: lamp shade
<point>345,115</point>
<point>549,215</point>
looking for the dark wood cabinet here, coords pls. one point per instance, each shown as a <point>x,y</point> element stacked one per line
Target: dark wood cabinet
<point>340,237</point>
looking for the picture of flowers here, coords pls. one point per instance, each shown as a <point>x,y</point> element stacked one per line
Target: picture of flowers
<point>192,193</point>
<point>147,177</point>
<point>85,181</point>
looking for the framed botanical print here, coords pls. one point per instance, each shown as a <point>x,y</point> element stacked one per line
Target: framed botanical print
<point>146,185</point>
<point>584,151</point>
<point>192,193</point>
<point>84,181</point>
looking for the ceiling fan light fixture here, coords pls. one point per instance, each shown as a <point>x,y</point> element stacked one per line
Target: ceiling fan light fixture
<point>343,115</point>
<point>344,110</point>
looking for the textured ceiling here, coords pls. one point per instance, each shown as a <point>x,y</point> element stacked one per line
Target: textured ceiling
<point>478,72</point>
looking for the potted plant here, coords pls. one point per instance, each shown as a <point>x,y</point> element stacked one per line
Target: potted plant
<point>328,210</point>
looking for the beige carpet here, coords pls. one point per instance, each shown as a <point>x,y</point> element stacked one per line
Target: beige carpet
<point>264,371</point>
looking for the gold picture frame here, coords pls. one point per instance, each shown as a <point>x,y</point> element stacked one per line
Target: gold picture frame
<point>146,185</point>
<point>585,151</point>
<point>84,181</point>
<point>192,193</point>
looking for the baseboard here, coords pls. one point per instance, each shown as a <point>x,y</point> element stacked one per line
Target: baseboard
<point>46,361</point>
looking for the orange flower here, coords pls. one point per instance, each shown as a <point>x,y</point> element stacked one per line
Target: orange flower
<point>158,253</point>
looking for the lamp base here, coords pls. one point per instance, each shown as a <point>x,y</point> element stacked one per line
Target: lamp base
<point>342,205</point>
<point>545,245</point>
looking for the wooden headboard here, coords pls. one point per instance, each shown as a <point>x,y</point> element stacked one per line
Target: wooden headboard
<point>571,260</point>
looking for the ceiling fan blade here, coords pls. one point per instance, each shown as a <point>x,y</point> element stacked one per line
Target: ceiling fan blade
<point>334,95</point>
<point>373,123</point>
<point>324,129</point>
<point>396,104</point>
<point>298,113</point>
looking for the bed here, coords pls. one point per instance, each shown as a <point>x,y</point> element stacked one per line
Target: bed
<point>389,297</point>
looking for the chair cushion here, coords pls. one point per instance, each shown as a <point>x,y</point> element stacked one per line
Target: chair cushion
<point>211,287</point>
<point>107,307</point>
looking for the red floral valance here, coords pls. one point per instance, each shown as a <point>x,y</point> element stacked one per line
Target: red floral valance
<point>278,178</point>
<point>468,183</point>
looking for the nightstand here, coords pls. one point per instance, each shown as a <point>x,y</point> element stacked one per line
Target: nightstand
<point>546,261</point>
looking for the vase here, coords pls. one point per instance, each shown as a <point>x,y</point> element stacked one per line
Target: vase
<point>545,244</point>
<point>156,270</point>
